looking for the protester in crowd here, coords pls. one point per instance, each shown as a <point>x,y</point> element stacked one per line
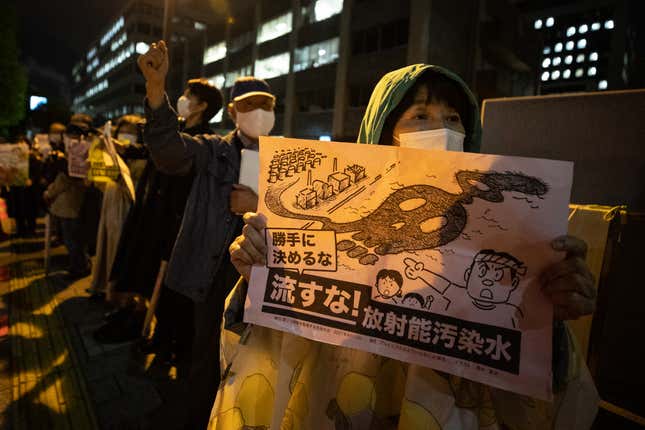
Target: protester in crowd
<point>316,385</point>
<point>199,267</point>
<point>53,164</point>
<point>117,198</point>
<point>65,198</point>
<point>23,201</point>
<point>173,334</point>
<point>148,237</point>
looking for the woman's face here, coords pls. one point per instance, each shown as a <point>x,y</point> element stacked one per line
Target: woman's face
<point>425,115</point>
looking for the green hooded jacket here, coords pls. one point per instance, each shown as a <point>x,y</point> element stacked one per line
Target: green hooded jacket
<point>391,89</point>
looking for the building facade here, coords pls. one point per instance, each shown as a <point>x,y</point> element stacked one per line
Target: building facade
<point>106,83</point>
<point>323,57</point>
<point>587,46</point>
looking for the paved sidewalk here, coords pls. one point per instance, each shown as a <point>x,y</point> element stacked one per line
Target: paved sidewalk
<point>53,375</point>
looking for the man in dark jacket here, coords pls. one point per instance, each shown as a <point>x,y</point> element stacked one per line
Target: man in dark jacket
<point>199,267</point>
<point>148,237</point>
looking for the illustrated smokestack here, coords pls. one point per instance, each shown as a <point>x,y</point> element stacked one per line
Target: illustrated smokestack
<point>309,178</point>
<point>335,164</point>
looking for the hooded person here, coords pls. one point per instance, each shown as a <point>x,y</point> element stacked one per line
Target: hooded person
<point>299,383</point>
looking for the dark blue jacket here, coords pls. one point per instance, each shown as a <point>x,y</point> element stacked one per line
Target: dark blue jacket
<point>208,226</point>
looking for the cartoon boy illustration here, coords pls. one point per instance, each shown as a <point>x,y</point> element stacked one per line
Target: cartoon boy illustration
<point>389,284</point>
<point>490,280</point>
<point>414,300</point>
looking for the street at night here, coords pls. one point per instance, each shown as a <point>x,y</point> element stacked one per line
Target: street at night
<point>322,214</point>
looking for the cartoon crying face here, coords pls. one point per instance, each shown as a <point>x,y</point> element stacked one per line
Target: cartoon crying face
<point>493,276</point>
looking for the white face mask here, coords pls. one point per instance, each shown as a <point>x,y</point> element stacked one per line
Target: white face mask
<point>442,138</point>
<point>183,106</point>
<point>127,138</point>
<point>256,123</point>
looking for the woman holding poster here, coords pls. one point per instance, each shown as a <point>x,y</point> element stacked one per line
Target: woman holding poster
<point>275,379</point>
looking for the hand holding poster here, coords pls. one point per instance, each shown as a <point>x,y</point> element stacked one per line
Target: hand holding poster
<point>14,164</point>
<point>437,255</point>
<point>77,150</point>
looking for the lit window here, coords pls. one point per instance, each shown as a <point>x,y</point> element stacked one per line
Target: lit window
<point>141,48</point>
<point>271,67</point>
<point>215,52</point>
<point>568,59</point>
<point>537,24</point>
<point>116,60</point>
<point>593,56</point>
<point>580,58</point>
<point>550,21</point>
<point>217,118</point>
<point>609,24</point>
<point>232,76</point>
<point>592,71</point>
<point>546,50</point>
<point>112,31</point>
<point>91,54</point>
<point>217,80</point>
<point>545,76</point>
<point>558,47</point>
<point>571,31</point>
<point>546,62</point>
<point>602,85</point>
<point>583,29</point>
<point>200,26</point>
<point>595,26</point>
<point>556,61</point>
<point>275,28</point>
<point>316,55</point>
<point>325,138</point>
<point>324,9</point>
<point>555,75</point>
<point>582,43</point>
<point>579,73</point>
<point>566,74</point>
<point>570,45</point>
<point>118,42</point>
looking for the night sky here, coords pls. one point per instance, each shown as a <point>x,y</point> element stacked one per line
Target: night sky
<point>57,32</point>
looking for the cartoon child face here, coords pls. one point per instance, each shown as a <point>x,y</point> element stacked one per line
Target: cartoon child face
<point>412,301</point>
<point>490,282</point>
<point>388,287</point>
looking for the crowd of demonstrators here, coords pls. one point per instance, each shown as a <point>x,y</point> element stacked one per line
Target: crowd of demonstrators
<point>199,267</point>
<point>177,213</point>
<point>148,237</point>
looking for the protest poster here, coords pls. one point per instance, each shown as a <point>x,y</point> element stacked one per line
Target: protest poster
<point>428,257</point>
<point>77,151</point>
<point>14,164</point>
<point>106,164</point>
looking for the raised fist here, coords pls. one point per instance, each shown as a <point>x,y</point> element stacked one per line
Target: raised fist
<point>154,64</point>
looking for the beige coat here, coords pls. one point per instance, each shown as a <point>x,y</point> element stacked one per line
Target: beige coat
<point>66,195</point>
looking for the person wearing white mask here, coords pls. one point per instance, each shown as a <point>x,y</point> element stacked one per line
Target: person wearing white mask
<point>200,101</point>
<point>199,268</point>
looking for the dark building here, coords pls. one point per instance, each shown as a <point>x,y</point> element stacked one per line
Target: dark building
<point>324,57</point>
<point>589,46</point>
<point>107,83</point>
